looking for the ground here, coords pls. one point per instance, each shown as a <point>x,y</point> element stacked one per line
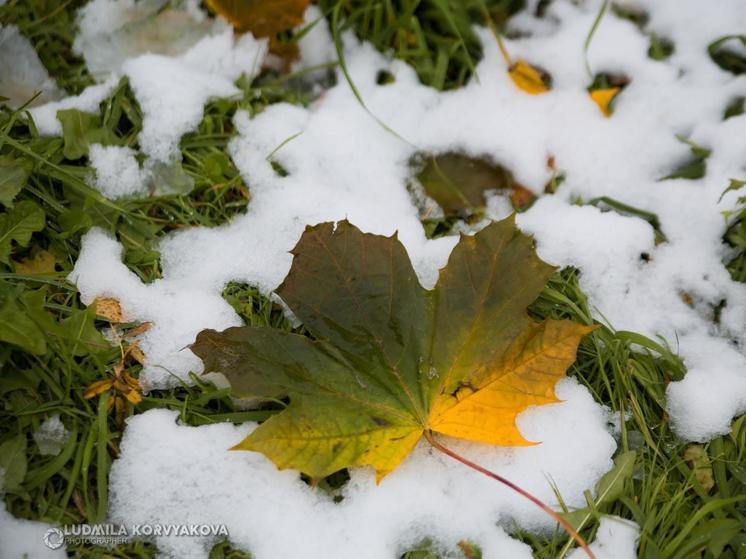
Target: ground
<point>176,197</point>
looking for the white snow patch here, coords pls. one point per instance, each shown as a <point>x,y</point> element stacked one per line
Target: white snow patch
<point>22,74</point>
<point>117,173</point>
<point>172,91</point>
<point>51,436</point>
<point>24,538</point>
<point>616,538</point>
<point>45,116</point>
<point>112,31</point>
<point>170,473</point>
<point>715,380</point>
<point>315,47</point>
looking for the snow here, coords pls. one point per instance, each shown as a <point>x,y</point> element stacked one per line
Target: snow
<point>51,436</point>
<point>22,74</point>
<point>616,538</point>
<point>342,163</point>
<point>275,514</point>
<point>315,47</point>
<point>117,172</point>
<point>45,116</point>
<point>173,91</point>
<point>24,538</point>
<point>112,31</point>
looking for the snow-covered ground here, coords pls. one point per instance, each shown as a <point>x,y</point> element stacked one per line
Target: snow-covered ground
<point>343,163</point>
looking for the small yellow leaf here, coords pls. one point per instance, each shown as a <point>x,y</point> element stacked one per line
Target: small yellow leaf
<point>136,353</point>
<point>604,97</point>
<point>131,381</point>
<point>133,397</point>
<point>262,18</point>
<point>696,456</point>
<point>40,263</point>
<point>137,330</point>
<point>96,388</point>
<point>521,197</point>
<point>527,77</point>
<point>109,309</point>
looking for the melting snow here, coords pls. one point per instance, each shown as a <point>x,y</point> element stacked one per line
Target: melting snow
<point>275,514</point>
<point>22,74</point>
<point>51,436</point>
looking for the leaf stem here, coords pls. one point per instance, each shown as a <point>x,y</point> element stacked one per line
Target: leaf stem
<point>543,506</point>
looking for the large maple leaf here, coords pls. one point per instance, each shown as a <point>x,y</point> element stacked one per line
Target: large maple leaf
<point>390,360</point>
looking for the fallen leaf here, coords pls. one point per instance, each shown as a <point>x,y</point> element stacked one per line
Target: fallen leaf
<point>528,78</point>
<point>134,351</point>
<point>286,52</point>
<point>124,389</point>
<point>696,456</point>
<point>137,330</point>
<point>521,197</point>
<point>96,388</point>
<point>108,309</point>
<point>390,360</point>
<point>139,28</point>
<point>458,183</point>
<point>604,97</point>
<point>42,262</point>
<point>261,18</point>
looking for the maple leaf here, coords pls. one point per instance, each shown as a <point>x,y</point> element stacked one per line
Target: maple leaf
<point>392,361</point>
<point>458,183</point>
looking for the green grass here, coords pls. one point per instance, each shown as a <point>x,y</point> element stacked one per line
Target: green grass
<point>679,518</point>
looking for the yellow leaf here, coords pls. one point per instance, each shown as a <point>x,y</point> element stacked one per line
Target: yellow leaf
<point>696,456</point>
<point>96,388</point>
<point>133,397</point>
<point>324,438</point>
<point>131,381</point>
<point>525,377</point>
<point>109,309</point>
<point>262,18</point>
<point>527,77</point>
<point>40,263</point>
<point>137,330</point>
<point>136,353</point>
<point>604,97</point>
